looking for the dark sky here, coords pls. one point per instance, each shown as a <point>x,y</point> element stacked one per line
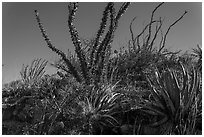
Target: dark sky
<point>22,41</point>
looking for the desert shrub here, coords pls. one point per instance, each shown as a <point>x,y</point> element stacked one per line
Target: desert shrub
<point>142,89</point>
<point>143,52</point>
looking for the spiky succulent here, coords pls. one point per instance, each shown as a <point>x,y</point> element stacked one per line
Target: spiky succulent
<point>100,106</point>
<point>197,52</point>
<point>172,98</point>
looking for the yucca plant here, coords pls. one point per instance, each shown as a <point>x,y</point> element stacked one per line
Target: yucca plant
<point>92,69</point>
<point>174,101</point>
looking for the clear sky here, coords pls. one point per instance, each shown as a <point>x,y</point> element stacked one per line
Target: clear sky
<point>22,41</point>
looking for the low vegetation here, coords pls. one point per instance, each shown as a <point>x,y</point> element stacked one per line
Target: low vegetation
<point>142,89</point>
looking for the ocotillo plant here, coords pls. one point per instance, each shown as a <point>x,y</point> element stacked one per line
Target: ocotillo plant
<point>90,70</point>
<point>145,40</point>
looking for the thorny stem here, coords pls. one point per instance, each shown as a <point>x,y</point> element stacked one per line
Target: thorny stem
<point>164,41</point>
<point>59,52</point>
<point>139,35</point>
<point>76,41</point>
<point>100,31</point>
<point>150,26</point>
<point>132,35</point>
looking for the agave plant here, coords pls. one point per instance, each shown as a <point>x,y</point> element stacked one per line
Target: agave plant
<point>99,107</point>
<point>198,53</point>
<point>173,100</point>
